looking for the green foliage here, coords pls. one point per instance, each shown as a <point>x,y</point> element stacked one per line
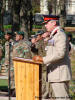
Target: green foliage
<point>37,26</point>
<point>72,90</point>
<point>7,26</point>
<point>72,83</point>
<point>35,9</point>
<point>2,61</point>
<point>1,35</point>
<point>67,32</point>
<point>32,33</point>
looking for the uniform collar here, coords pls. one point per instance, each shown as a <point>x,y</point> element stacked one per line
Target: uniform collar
<point>54,31</point>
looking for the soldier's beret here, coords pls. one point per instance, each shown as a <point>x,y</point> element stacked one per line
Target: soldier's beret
<point>8,32</point>
<point>20,33</point>
<point>40,32</point>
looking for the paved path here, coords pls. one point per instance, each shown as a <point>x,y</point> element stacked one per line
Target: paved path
<point>7,98</point>
<point>3,77</point>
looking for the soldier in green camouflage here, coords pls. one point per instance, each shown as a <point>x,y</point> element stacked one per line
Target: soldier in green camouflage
<point>0,51</point>
<point>40,50</point>
<point>21,47</point>
<point>8,58</point>
<point>40,43</point>
<point>0,55</point>
<point>34,50</point>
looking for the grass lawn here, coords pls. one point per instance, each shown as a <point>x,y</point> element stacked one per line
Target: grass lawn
<point>3,85</point>
<point>72,83</point>
<point>3,82</point>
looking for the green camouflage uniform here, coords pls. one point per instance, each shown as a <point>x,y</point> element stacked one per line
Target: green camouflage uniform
<point>40,50</point>
<point>40,47</point>
<point>9,61</point>
<point>0,51</point>
<point>22,49</point>
<point>0,55</point>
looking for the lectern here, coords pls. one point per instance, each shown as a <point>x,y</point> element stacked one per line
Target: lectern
<point>26,79</point>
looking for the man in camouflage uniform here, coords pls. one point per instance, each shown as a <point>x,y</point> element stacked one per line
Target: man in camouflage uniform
<point>40,50</point>
<point>0,55</point>
<point>38,44</point>
<point>0,51</point>
<point>8,59</point>
<point>34,50</point>
<point>21,47</point>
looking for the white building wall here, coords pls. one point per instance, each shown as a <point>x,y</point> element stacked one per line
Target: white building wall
<point>70,7</point>
<point>44,7</point>
<point>73,7</point>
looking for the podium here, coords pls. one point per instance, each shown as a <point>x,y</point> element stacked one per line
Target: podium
<point>26,79</point>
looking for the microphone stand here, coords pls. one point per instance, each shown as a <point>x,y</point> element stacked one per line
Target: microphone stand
<point>9,78</point>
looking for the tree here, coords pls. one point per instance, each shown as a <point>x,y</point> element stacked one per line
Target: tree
<point>20,10</point>
<point>62,12</point>
<point>57,7</point>
<point>1,3</point>
<point>25,8</point>
<point>16,15</point>
<point>35,9</point>
<point>44,7</point>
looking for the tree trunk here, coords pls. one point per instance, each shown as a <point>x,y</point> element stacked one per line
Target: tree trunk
<point>44,7</point>
<point>16,16</point>
<point>24,16</point>
<point>62,12</point>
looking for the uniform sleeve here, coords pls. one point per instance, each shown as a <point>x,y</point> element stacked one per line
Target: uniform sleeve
<point>0,51</point>
<point>27,51</point>
<point>7,53</point>
<point>58,52</point>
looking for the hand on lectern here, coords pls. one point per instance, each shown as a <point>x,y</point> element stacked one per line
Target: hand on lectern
<point>37,58</point>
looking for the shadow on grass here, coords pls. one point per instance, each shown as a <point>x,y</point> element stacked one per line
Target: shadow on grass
<point>4,88</point>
